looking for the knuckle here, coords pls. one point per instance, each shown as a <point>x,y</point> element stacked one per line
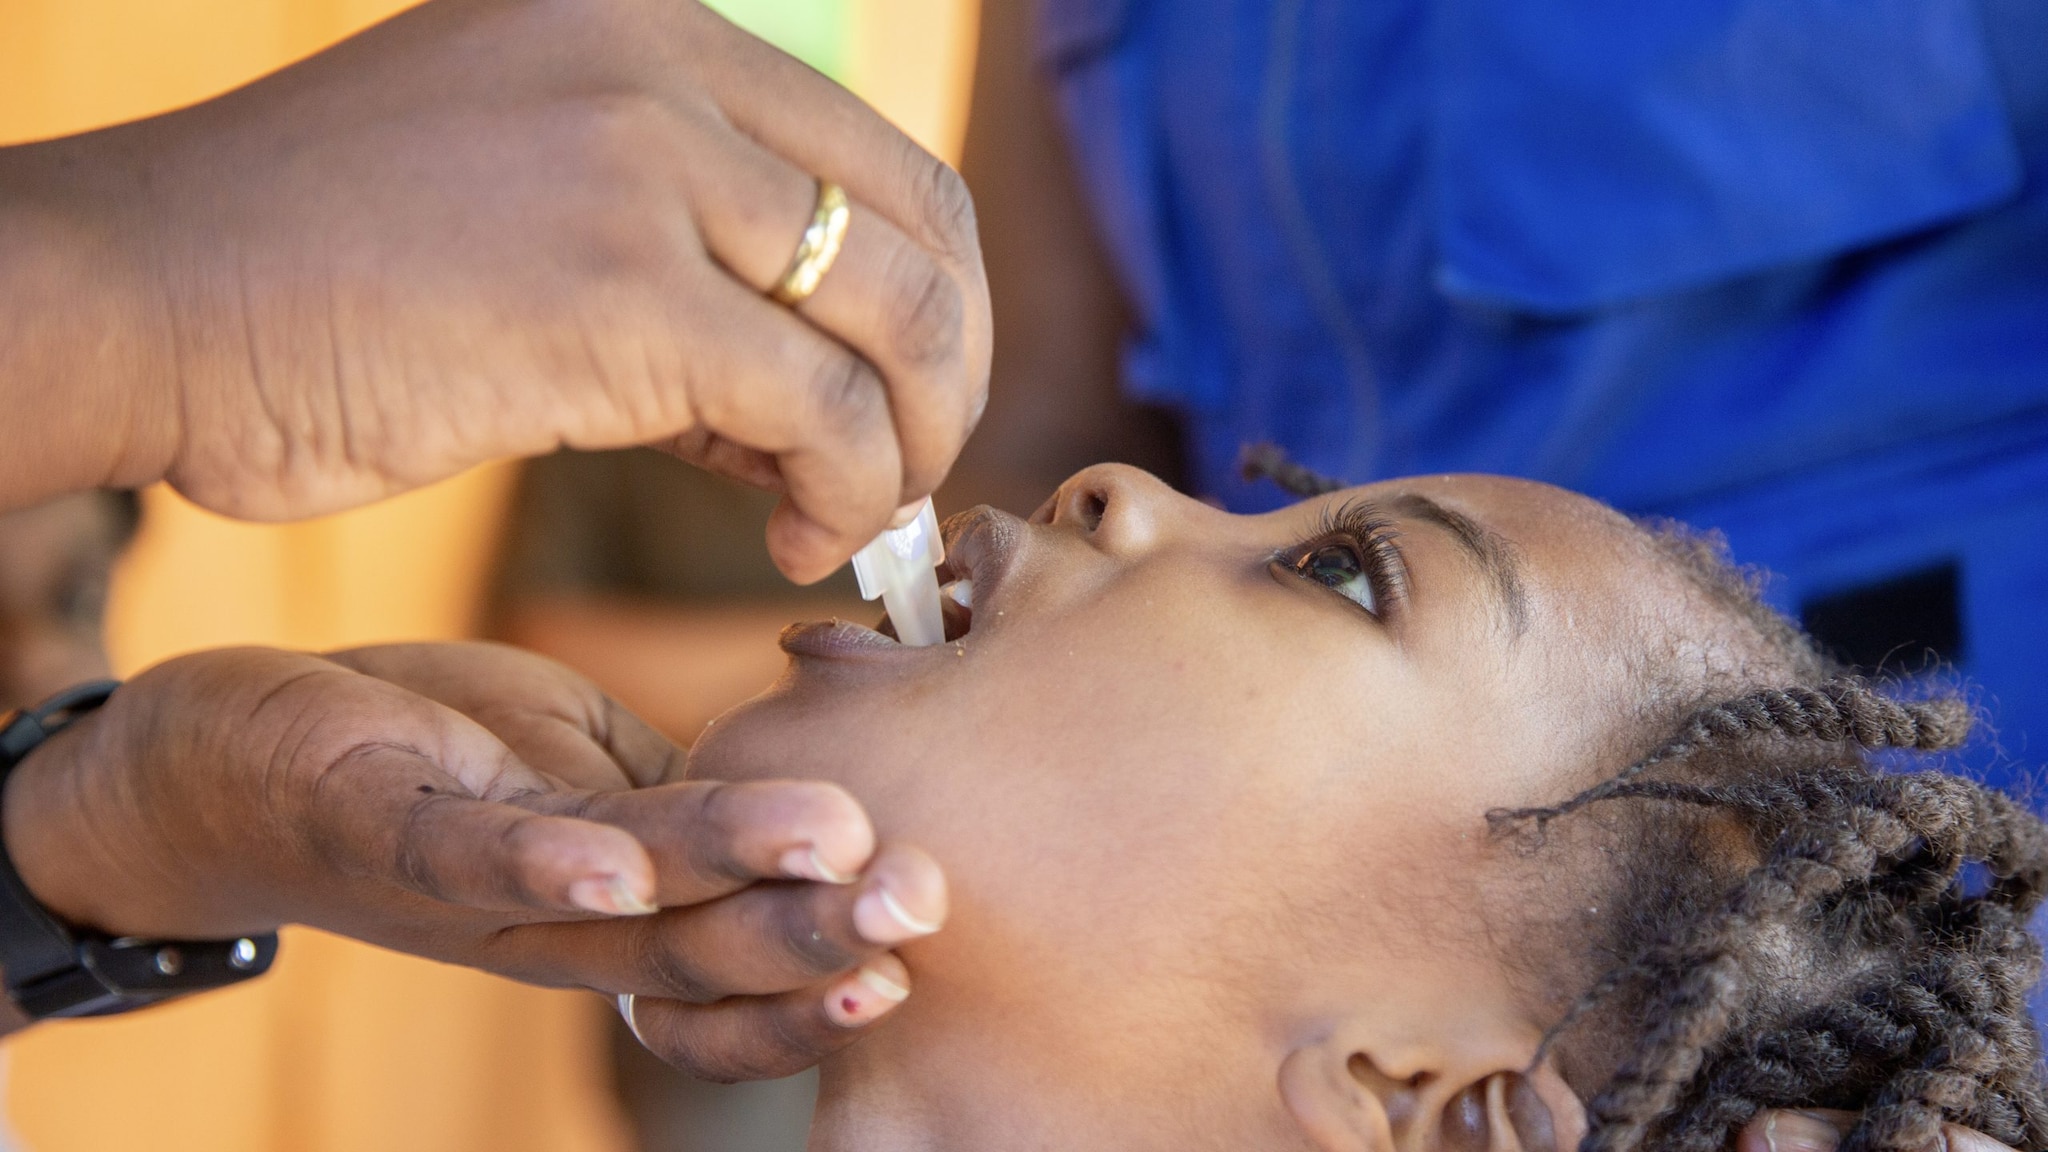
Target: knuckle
<point>924,314</point>
<point>719,407</point>
<point>679,978</point>
<point>713,836</point>
<point>512,881</point>
<point>845,393</point>
<point>414,864</point>
<point>713,810</point>
<point>946,209</point>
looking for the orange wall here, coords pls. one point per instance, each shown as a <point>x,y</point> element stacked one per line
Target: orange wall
<point>914,61</point>
<point>343,1047</point>
<point>70,65</point>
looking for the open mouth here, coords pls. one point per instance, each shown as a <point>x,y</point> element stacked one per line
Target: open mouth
<point>981,543</point>
<point>956,608</point>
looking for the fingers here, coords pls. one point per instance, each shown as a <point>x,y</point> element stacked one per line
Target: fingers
<point>551,718</point>
<point>770,384</point>
<point>771,938</point>
<point>765,940</point>
<point>707,839</point>
<point>386,813</point>
<point>907,294</point>
<point>647,757</point>
<point>758,1038</point>
<point>887,298</point>
<point>824,130</point>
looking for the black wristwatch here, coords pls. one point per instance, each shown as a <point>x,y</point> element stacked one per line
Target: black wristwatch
<point>54,970</point>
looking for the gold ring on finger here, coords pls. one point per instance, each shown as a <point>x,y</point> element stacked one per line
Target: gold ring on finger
<point>818,248</point>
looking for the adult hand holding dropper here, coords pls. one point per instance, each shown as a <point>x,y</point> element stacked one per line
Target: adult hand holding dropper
<point>487,228</point>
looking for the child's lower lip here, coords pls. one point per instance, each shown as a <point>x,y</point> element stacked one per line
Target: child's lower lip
<point>840,640</point>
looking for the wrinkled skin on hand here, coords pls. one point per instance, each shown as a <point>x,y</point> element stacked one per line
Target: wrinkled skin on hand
<point>489,228</point>
<point>484,806</point>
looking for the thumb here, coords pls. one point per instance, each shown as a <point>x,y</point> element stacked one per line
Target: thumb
<point>389,814</point>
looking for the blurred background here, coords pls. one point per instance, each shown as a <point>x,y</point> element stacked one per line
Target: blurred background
<point>629,566</point>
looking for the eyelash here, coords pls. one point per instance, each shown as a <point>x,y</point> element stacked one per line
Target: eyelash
<point>1357,525</point>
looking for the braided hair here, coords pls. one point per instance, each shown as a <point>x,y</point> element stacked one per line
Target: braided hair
<point>1812,928</point>
<point>1792,921</point>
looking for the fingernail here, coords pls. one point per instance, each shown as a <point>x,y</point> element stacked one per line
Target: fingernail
<point>882,919</point>
<point>1798,1132</point>
<point>863,999</point>
<point>608,895</point>
<point>884,987</point>
<point>804,863</point>
<point>906,514</point>
<point>626,1006</point>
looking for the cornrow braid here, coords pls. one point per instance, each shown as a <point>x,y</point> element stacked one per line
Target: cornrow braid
<point>1840,709</point>
<point>1871,955</point>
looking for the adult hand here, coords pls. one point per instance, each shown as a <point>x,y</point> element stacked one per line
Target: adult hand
<point>1824,1129</point>
<point>484,806</point>
<point>489,228</point>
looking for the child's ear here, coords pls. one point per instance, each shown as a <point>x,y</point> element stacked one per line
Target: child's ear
<point>1344,1101</point>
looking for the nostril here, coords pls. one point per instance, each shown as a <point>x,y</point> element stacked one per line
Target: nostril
<point>1090,508</point>
<point>1117,508</point>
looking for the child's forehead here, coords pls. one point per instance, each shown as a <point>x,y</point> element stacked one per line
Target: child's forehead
<point>1508,505</point>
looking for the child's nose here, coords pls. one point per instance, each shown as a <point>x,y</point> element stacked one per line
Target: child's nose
<point>1120,509</point>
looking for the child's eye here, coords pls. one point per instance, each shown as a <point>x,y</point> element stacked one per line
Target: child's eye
<point>1338,567</point>
<point>1352,553</point>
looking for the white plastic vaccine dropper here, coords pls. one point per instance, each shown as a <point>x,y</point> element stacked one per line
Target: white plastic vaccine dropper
<point>900,566</point>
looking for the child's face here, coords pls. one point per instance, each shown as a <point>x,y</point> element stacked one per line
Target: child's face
<point>1197,804</point>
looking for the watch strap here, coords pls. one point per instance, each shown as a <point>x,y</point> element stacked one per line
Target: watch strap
<point>33,945</point>
<point>52,970</point>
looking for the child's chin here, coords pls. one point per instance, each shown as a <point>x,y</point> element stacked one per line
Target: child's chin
<point>740,744</point>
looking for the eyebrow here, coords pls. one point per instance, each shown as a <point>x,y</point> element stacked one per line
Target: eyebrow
<point>1496,558</point>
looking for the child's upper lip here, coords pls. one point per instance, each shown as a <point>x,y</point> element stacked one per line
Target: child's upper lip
<point>981,545</point>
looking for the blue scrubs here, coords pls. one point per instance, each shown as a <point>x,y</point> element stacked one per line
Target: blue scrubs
<point>1778,267</point>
